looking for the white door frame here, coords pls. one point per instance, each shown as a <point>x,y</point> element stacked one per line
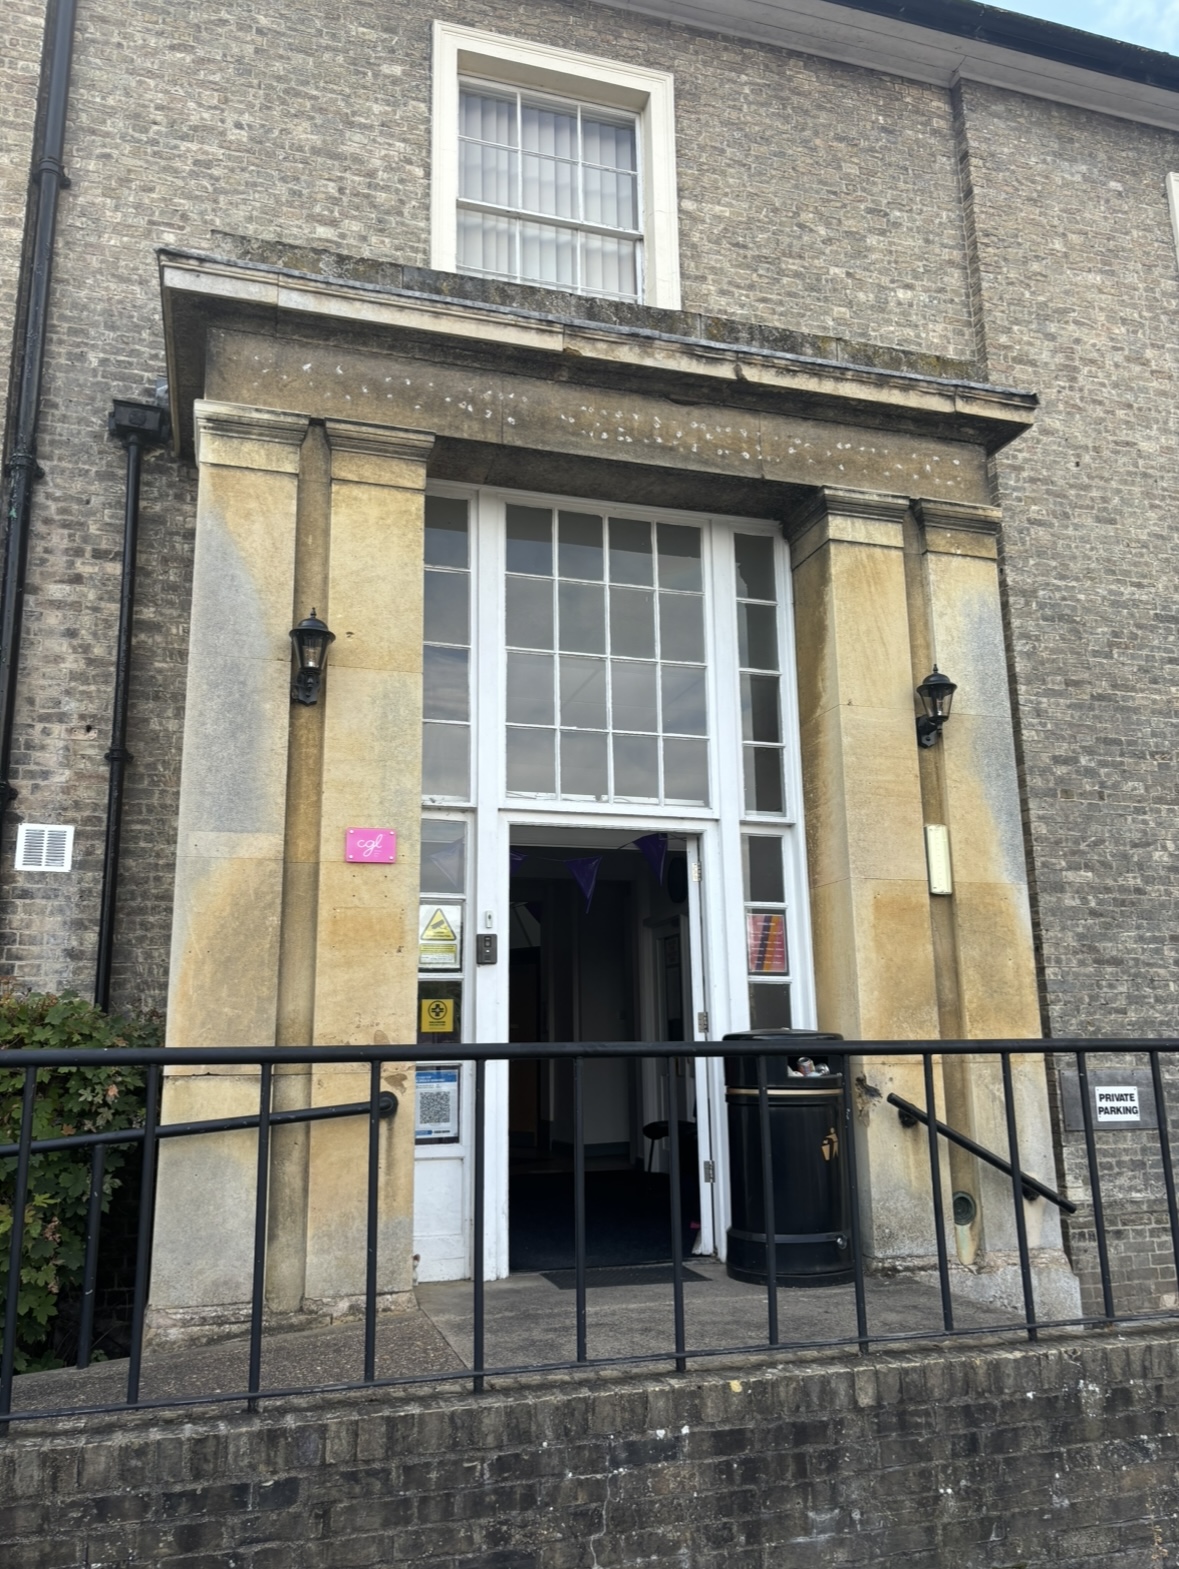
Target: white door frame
<point>491,873</point>
<point>717,925</point>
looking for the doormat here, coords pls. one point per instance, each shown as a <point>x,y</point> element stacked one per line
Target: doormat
<point>626,1275</point>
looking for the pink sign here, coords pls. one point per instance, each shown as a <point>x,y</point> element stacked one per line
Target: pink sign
<point>377,845</point>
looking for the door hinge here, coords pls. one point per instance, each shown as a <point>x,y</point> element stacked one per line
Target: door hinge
<point>709,1170</point>
<point>697,872</point>
<point>701,1024</point>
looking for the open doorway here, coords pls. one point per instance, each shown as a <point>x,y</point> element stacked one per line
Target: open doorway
<point>599,950</point>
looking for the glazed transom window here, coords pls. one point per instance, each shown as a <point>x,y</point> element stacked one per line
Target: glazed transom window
<point>548,193</point>
<point>580,651</point>
<point>604,626</point>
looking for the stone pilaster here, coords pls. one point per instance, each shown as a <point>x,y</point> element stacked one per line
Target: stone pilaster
<point>229,869</point>
<point>973,784</point>
<point>366,932</point>
<point>874,963</point>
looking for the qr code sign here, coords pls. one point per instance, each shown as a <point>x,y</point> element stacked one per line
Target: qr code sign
<point>434,1106</point>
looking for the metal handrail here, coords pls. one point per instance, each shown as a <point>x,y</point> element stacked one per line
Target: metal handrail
<point>381,1104</point>
<point>178,1130</point>
<point>1032,1187</point>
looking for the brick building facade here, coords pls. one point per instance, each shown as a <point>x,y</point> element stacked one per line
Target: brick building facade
<point>944,207</point>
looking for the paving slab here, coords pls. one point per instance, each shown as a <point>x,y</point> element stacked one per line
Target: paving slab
<point>407,1344</point>
<point>530,1323</point>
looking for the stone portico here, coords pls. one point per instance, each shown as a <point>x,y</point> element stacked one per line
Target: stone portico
<point>315,411</point>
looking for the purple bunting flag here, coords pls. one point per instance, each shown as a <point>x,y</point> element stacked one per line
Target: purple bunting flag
<point>654,848</point>
<point>585,870</point>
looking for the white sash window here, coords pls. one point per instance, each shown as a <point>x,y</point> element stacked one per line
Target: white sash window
<point>553,167</point>
<point>548,193</point>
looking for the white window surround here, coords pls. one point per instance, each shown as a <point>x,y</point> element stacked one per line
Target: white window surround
<point>469,52</point>
<point>1173,203</point>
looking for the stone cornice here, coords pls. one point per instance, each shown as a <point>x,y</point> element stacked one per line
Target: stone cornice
<point>378,454</point>
<point>867,519</point>
<point>201,293</point>
<point>245,423</point>
<point>379,441</point>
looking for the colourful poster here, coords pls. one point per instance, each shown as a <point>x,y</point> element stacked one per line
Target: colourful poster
<point>765,938</point>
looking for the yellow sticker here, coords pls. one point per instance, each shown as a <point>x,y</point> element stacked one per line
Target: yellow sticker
<point>437,1015</point>
<point>438,929</point>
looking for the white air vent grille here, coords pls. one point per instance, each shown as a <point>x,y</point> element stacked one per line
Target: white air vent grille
<point>44,847</point>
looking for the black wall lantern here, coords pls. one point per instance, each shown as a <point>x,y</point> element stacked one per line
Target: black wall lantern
<point>312,641</point>
<point>936,693</point>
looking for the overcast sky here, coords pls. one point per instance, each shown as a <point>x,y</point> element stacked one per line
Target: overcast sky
<point>1152,23</point>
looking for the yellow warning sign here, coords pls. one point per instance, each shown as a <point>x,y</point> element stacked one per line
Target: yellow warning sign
<point>437,1015</point>
<point>438,929</point>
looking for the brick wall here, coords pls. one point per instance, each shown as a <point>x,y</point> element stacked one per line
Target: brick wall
<point>1081,295</point>
<point>1020,1458</point>
<point>1143,1268</point>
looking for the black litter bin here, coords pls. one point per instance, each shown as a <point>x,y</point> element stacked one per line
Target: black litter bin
<point>812,1210</point>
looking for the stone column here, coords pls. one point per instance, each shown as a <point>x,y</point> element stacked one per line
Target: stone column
<point>973,780</point>
<point>366,934</point>
<point>223,988</point>
<point>874,961</point>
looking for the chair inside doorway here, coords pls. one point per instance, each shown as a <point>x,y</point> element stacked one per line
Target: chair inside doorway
<point>598,951</point>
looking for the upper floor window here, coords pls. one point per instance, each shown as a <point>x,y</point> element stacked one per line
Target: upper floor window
<point>548,193</point>
<point>553,168</point>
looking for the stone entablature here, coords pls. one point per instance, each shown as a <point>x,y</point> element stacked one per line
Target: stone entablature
<point>751,395</point>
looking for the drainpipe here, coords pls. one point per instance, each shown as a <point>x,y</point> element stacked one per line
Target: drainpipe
<point>136,425</point>
<point>49,176</point>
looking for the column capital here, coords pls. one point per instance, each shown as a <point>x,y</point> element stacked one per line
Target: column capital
<point>972,515</point>
<point>237,435</point>
<point>855,517</point>
<point>379,454</point>
<point>958,528</point>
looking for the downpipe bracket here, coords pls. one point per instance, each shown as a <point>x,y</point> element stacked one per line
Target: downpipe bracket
<point>26,462</point>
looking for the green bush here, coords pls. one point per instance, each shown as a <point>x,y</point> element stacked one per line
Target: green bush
<point>69,1100</point>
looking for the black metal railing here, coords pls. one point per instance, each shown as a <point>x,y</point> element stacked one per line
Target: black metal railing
<point>858,1058</point>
